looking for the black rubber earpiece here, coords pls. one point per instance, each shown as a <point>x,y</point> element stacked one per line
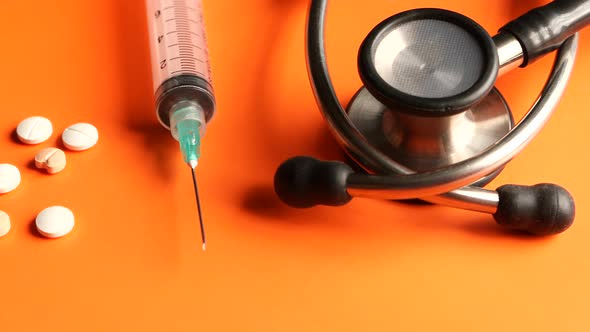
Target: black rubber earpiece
<point>542,209</point>
<point>303,182</point>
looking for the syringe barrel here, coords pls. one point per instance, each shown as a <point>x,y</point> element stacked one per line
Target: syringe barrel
<point>180,59</point>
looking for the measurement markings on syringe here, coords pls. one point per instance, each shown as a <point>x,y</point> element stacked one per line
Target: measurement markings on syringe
<point>183,47</point>
<point>186,47</point>
<point>173,7</point>
<point>193,45</point>
<point>190,20</point>
<point>182,59</point>
<point>183,33</point>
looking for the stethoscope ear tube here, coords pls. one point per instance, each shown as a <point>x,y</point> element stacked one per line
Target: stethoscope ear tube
<point>545,28</point>
<point>542,209</point>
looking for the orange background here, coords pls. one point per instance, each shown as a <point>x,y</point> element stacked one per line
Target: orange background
<point>133,261</point>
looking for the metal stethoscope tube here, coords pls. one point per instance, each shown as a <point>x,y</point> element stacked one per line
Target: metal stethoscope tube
<point>450,183</point>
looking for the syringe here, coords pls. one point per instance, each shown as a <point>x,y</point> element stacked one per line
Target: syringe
<point>182,78</point>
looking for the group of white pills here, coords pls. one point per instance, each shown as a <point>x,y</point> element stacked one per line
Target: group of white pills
<point>55,221</point>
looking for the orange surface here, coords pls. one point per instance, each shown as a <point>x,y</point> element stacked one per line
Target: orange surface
<point>133,262</point>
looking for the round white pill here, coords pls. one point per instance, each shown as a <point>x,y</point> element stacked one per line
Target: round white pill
<point>80,137</point>
<point>34,130</point>
<point>4,223</point>
<point>9,178</point>
<point>55,221</point>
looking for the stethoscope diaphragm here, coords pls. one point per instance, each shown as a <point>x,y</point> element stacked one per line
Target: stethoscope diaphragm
<point>429,61</point>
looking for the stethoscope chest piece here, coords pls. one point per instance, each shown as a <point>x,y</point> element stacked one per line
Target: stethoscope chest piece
<point>423,143</point>
<point>428,99</point>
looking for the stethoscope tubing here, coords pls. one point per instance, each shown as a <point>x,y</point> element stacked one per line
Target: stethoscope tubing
<point>448,185</point>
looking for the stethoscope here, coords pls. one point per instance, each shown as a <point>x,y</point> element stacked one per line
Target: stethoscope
<point>428,122</point>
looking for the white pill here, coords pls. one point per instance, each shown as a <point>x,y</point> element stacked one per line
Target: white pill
<point>4,223</point>
<point>80,137</point>
<point>34,130</point>
<point>9,178</point>
<point>55,221</point>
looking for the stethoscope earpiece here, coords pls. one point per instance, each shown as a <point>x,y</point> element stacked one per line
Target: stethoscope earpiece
<point>428,122</point>
<point>304,182</point>
<point>542,209</point>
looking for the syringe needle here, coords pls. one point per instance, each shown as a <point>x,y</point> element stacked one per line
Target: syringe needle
<point>188,131</point>
<point>199,208</point>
